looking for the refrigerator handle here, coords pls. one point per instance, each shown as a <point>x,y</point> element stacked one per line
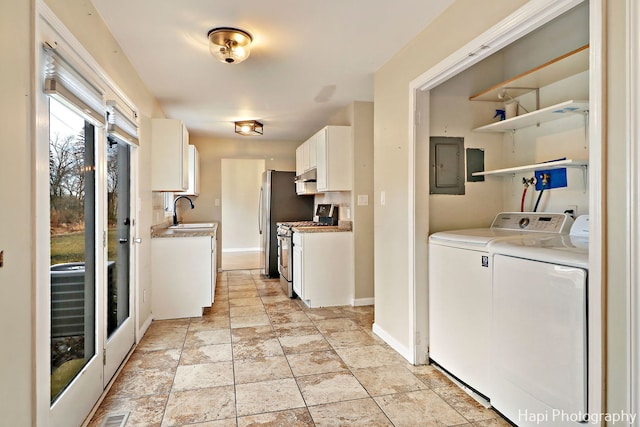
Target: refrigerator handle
<point>260,207</point>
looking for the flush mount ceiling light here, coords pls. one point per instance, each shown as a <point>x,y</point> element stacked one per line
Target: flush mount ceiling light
<point>229,45</point>
<point>249,127</point>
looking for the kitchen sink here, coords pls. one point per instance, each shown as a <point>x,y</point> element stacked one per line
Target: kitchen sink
<point>191,225</point>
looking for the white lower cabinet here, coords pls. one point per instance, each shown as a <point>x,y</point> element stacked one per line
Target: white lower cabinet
<point>323,268</point>
<point>183,276</point>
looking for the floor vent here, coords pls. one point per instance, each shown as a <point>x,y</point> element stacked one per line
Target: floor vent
<point>115,420</point>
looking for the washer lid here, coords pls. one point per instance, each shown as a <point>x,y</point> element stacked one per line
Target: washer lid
<point>505,225</point>
<point>564,250</point>
<point>472,236</point>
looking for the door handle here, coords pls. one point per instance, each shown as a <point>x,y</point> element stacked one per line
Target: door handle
<point>260,201</point>
<point>137,240</point>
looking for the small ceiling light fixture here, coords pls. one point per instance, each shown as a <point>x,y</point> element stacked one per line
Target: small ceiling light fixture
<point>229,45</point>
<point>249,127</point>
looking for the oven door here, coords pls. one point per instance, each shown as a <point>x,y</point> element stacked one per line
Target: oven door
<point>284,251</point>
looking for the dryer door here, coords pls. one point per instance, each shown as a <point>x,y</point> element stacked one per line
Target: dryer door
<point>539,341</point>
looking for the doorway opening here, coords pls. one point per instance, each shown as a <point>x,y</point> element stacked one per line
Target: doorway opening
<point>422,94</point>
<point>241,179</point>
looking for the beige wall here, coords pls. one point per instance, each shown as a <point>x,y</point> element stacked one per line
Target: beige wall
<point>241,182</point>
<point>363,186</point>
<point>391,138</point>
<point>16,231</point>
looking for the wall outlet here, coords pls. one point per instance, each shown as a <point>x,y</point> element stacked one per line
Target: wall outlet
<point>572,210</point>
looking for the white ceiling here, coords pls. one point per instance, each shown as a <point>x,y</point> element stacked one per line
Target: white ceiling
<point>308,58</point>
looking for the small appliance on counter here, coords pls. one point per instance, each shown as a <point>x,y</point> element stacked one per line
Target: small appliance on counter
<point>326,214</point>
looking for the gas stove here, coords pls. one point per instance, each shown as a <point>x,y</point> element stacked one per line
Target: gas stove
<point>326,215</point>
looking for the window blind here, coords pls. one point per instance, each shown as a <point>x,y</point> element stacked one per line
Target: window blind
<point>122,122</point>
<point>64,83</point>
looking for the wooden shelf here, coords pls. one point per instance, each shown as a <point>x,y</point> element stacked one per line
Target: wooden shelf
<point>558,164</point>
<point>555,70</point>
<point>533,118</point>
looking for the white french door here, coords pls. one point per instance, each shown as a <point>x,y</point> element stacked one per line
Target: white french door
<point>75,279</point>
<point>91,221</point>
<point>85,204</point>
<point>119,324</point>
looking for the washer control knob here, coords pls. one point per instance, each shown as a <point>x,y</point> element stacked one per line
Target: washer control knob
<point>523,223</point>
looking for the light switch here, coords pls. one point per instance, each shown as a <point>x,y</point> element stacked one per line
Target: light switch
<point>363,200</point>
<point>383,198</point>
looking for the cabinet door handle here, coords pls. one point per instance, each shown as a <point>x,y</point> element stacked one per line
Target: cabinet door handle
<point>123,240</point>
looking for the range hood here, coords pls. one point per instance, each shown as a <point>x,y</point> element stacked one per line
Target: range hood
<point>308,176</point>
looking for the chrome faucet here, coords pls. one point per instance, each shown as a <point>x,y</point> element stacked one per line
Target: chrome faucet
<point>175,213</point>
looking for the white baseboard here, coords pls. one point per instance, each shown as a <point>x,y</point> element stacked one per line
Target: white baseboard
<point>363,301</point>
<point>144,328</point>
<point>393,343</point>
<point>241,250</point>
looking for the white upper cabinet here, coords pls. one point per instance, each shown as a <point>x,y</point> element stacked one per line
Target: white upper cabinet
<point>330,152</point>
<point>334,159</point>
<point>306,155</point>
<point>169,155</point>
<point>312,161</point>
<point>300,160</point>
<point>193,188</point>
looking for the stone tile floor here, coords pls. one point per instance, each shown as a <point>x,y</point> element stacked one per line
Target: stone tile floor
<point>258,358</point>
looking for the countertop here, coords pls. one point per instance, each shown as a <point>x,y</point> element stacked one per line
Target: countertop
<point>343,226</point>
<point>163,230</point>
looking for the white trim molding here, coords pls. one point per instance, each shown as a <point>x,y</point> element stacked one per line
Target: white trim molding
<point>359,302</point>
<point>393,343</point>
<point>633,219</point>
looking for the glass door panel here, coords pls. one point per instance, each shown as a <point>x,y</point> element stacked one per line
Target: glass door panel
<point>73,242</point>
<point>119,325</point>
<point>119,234</point>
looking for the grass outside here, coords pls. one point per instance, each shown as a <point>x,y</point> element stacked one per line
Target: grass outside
<point>69,247</point>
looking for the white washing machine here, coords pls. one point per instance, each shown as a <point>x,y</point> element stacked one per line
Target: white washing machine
<point>460,292</point>
<point>538,359</point>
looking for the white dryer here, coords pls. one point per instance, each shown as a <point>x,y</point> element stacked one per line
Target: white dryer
<point>460,292</point>
<point>539,328</point>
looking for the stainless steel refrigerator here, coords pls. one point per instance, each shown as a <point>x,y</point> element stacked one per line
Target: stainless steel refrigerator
<point>278,203</point>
